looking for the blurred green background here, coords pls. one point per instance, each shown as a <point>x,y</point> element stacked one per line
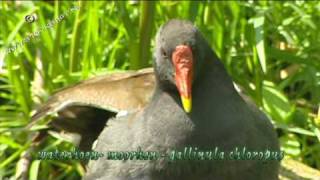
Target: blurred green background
<point>272,49</point>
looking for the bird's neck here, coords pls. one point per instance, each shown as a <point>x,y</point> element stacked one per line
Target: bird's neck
<point>213,74</point>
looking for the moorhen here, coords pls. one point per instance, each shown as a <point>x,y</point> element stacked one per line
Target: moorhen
<point>88,121</point>
<point>194,105</point>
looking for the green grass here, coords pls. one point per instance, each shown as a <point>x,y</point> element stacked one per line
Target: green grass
<point>269,48</point>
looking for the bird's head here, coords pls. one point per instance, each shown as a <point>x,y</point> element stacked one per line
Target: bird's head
<point>178,55</point>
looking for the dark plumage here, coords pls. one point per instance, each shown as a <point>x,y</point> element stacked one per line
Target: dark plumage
<point>219,118</point>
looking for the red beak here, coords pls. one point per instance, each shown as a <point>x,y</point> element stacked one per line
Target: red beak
<point>183,63</point>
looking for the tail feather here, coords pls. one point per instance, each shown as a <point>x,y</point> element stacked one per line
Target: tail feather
<point>53,105</point>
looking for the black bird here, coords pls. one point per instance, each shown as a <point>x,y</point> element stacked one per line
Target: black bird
<point>194,105</point>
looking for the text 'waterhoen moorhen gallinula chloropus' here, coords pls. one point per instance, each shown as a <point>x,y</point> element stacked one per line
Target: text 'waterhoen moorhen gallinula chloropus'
<point>194,105</point>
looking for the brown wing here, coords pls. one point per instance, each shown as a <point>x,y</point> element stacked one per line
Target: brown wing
<point>84,108</point>
<point>114,92</point>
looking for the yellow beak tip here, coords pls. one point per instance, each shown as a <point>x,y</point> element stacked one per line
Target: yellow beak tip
<point>187,104</point>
